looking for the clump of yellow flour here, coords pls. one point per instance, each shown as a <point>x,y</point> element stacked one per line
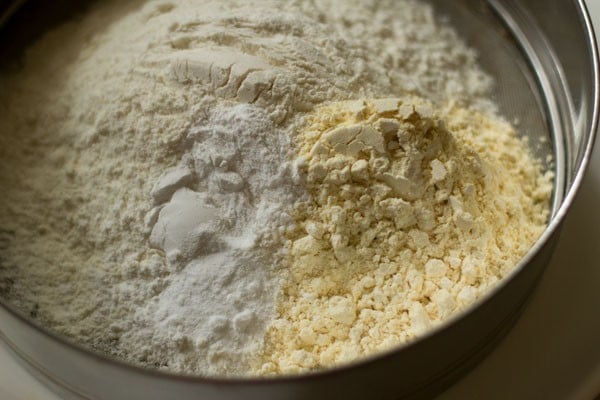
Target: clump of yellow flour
<point>415,212</point>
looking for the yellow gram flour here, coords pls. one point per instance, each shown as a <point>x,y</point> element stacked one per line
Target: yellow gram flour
<point>415,212</point>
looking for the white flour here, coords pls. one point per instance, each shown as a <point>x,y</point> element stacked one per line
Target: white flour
<point>217,222</point>
<point>211,92</point>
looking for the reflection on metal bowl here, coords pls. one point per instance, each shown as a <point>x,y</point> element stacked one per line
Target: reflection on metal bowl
<point>547,78</point>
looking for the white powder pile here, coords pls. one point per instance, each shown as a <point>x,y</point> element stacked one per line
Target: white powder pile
<point>147,156</point>
<point>217,221</point>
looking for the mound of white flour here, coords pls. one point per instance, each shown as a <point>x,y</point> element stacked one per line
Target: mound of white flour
<point>122,120</point>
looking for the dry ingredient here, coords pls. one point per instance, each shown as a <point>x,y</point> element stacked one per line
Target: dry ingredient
<point>158,211</point>
<point>413,215</point>
<point>217,218</point>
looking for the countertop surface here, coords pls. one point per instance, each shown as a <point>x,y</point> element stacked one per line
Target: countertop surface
<point>552,353</point>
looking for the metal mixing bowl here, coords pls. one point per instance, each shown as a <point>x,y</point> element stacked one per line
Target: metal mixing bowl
<point>543,56</point>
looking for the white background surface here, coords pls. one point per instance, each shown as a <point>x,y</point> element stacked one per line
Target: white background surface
<point>552,353</point>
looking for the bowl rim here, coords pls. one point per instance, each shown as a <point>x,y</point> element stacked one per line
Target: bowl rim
<point>551,228</point>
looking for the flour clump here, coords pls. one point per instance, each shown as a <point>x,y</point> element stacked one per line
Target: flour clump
<point>400,231</point>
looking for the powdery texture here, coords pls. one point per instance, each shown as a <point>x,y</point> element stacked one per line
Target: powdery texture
<point>414,214</point>
<point>219,220</point>
<point>106,104</point>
